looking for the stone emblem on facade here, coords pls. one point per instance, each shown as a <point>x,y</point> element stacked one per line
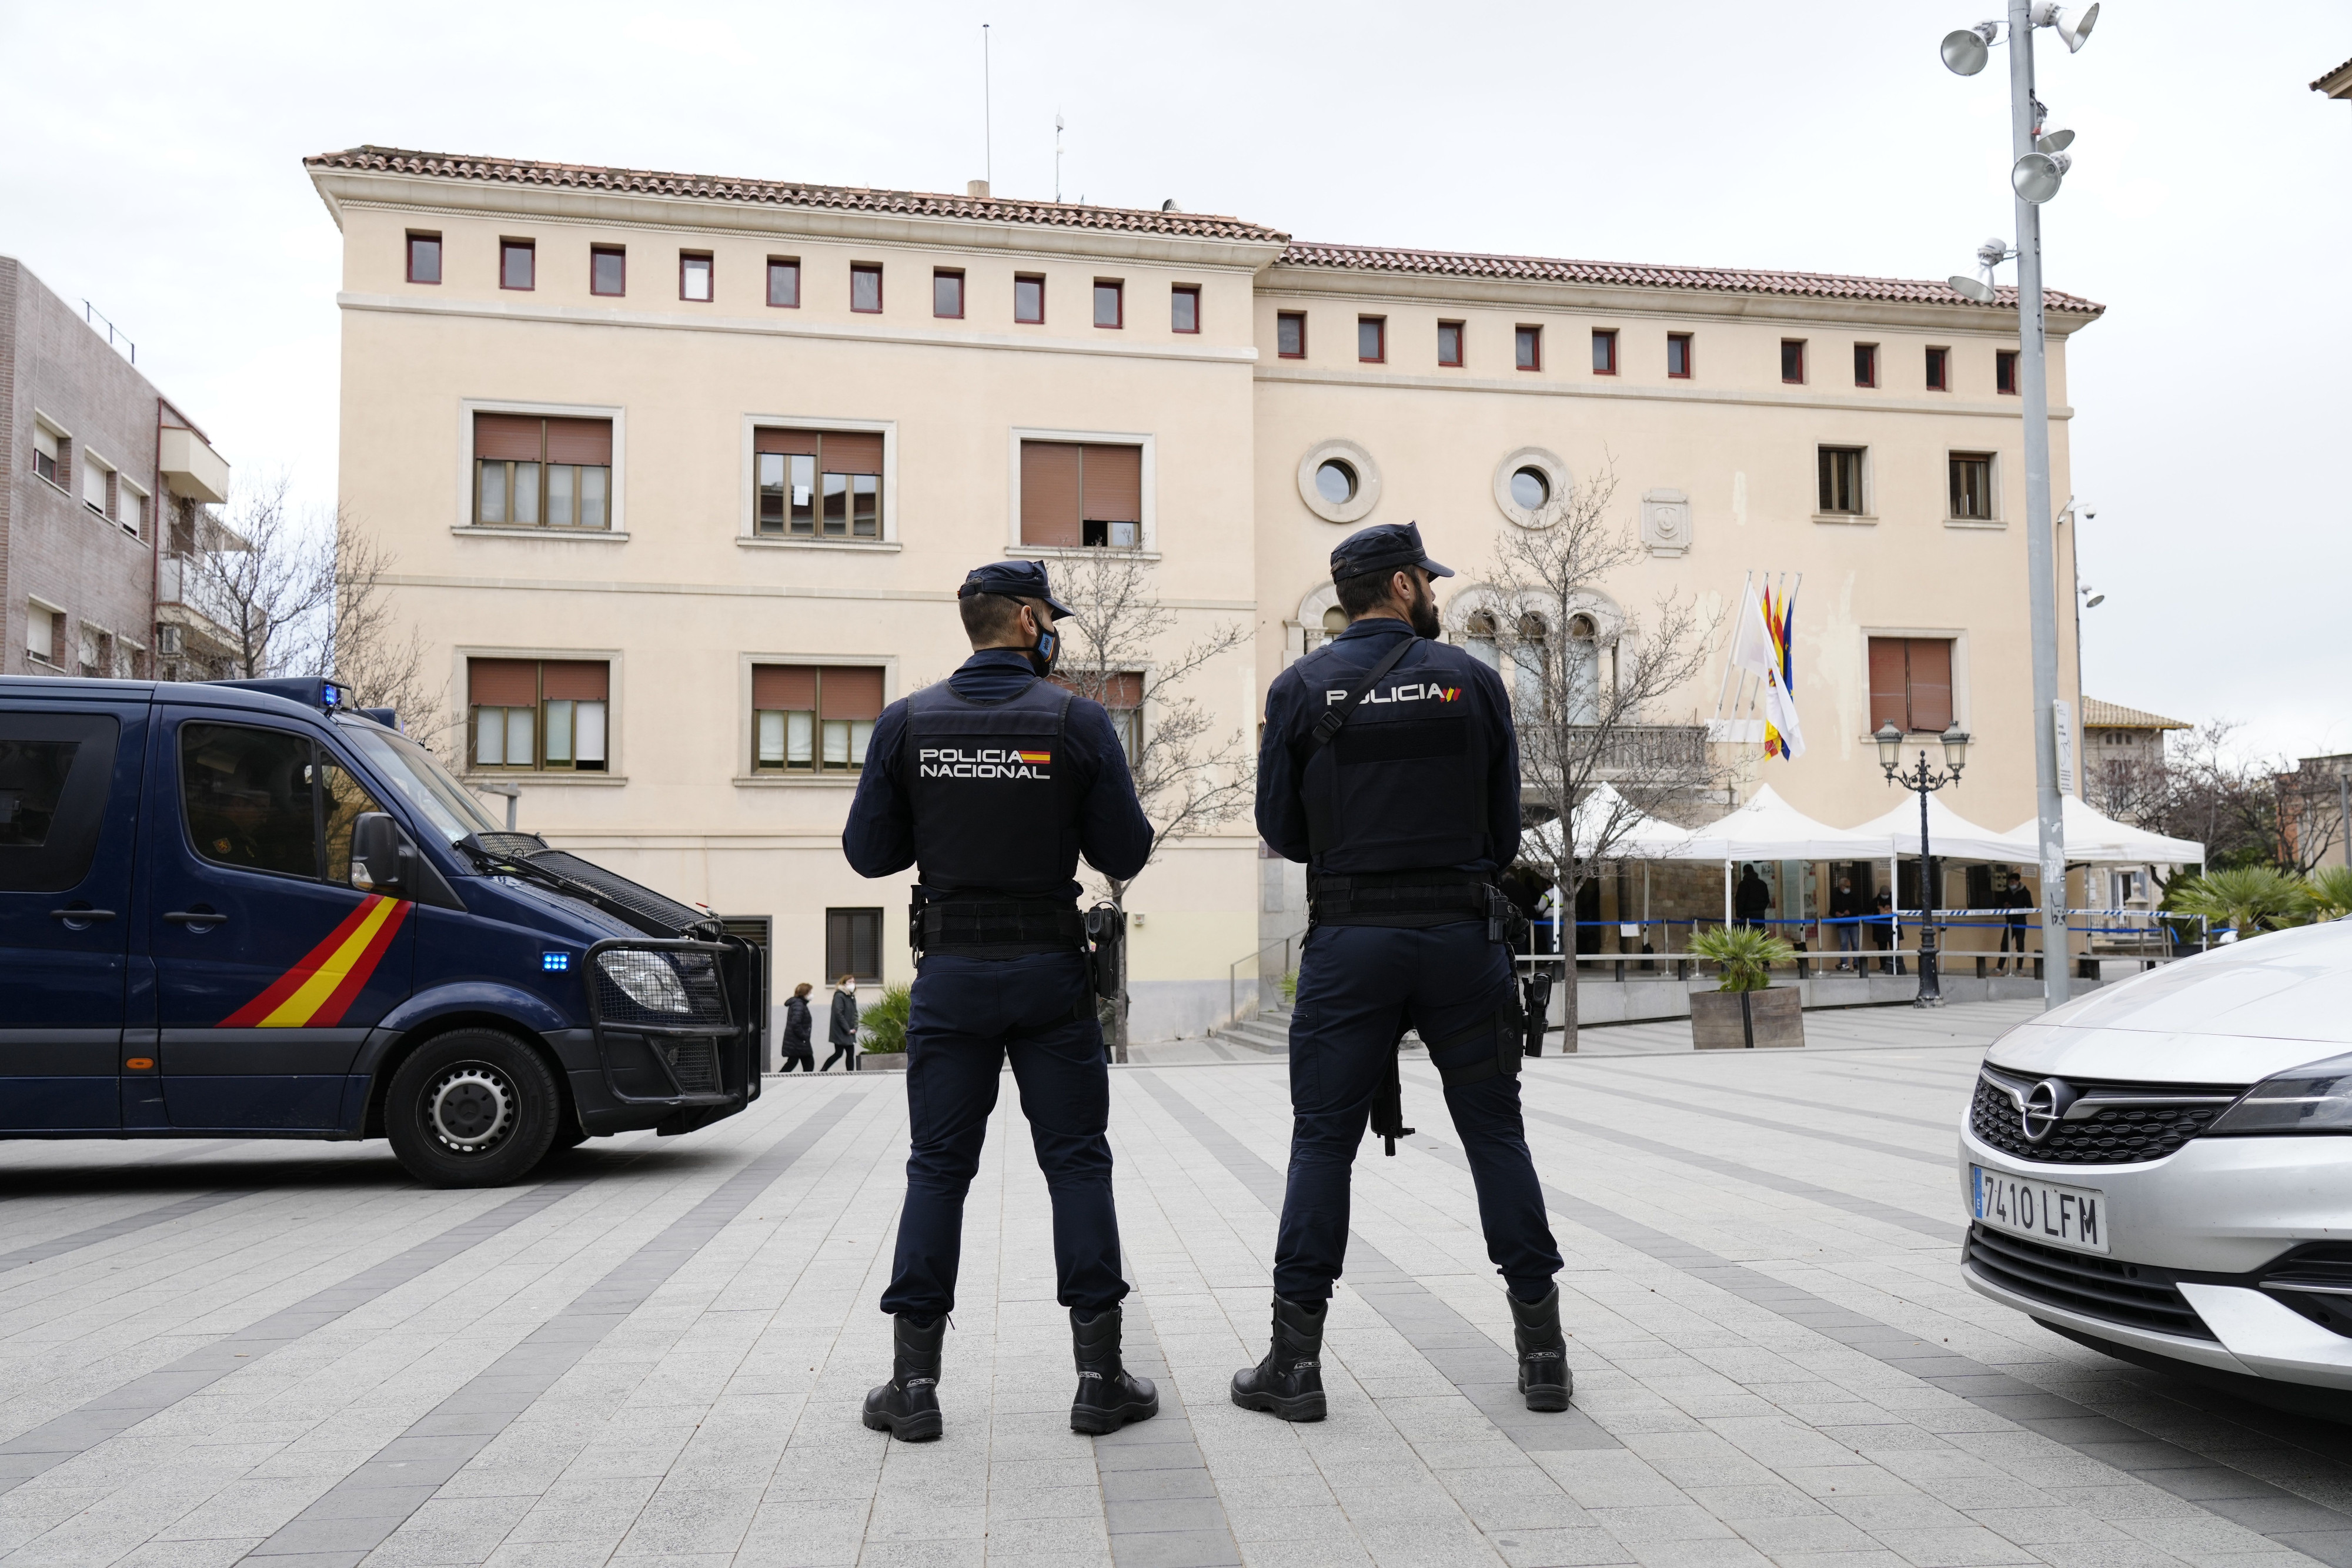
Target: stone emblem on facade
<point>1665,522</point>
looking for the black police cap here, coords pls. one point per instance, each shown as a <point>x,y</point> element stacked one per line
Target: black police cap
<point>1016,579</point>
<point>1383,549</point>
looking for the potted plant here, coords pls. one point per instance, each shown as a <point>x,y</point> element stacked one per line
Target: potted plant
<point>1747,1010</point>
<point>882,1030</point>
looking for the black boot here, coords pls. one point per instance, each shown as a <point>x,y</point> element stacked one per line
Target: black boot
<point>1289,1382</point>
<point>1108,1395</point>
<point>1544,1374</point>
<point>908,1406</point>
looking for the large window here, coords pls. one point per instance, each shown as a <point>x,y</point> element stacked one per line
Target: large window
<point>1075,494</point>
<point>812,718</point>
<point>819,484</point>
<point>269,800</point>
<point>540,713</point>
<point>1972,485</point>
<point>853,945</point>
<point>424,257</point>
<point>1911,682</point>
<point>535,473</point>
<point>1840,475</point>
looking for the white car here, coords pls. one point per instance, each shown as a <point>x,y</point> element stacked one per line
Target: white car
<point>2162,1170</point>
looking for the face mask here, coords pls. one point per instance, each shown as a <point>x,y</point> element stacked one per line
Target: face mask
<point>1041,657</point>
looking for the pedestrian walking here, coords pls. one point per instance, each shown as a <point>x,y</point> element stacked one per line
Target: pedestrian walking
<point>1882,932</point>
<point>1389,767</point>
<point>1845,920</point>
<point>841,1029</point>
<point>798,1050</point>
<point>991,784</point>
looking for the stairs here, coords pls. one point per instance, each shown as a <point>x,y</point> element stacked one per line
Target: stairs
<point>1267,1032</point>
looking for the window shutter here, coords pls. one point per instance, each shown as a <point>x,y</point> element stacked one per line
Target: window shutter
<point>796,443</point>
<point>1049,494</point>
<point>1889,683</point>
<point>1113,485</point>
<point>582,680</point>
<point>588,440</point>
<point>789,687</point>
<point>853,452</point>
<point>508,436</point>
<point>502,683</point>
<point>1931,684</point>
<point>852,692</point>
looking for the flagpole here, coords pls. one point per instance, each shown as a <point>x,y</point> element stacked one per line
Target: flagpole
<point>1744,583</point>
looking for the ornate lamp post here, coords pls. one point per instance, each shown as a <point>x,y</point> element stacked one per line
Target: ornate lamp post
<point>1924,781</point>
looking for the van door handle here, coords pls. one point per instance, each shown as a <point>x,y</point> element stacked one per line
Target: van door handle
<point>200,920</point>
<point>82,916</point>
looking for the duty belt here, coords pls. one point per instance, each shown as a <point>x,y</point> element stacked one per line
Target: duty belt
<point>996,928</point>
<point>1410,899</point>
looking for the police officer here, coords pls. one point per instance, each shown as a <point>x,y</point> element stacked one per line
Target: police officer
<point>992,784</point>
<point>1389,765</point>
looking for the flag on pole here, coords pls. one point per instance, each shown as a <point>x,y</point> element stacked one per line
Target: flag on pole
<point>1760,646</point>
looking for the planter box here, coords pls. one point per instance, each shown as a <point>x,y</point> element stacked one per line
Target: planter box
<point>882,1061</point>
<point>1736,1020</point>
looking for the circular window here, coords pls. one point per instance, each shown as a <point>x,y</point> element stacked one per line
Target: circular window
<point>1338,481</point>
<point>1528,482</point>
<point>1530,489</point>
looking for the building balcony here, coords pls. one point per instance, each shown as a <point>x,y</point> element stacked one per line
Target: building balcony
<point>191,468</point>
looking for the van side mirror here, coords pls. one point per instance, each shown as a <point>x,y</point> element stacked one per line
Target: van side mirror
<point>381,853</point>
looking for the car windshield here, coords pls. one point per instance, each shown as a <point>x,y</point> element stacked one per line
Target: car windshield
<point>422,782</point>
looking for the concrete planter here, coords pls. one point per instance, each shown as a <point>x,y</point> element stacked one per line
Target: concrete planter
<point>1736,1020</point>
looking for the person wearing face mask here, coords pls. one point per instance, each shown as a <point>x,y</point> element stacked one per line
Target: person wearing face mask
<point>992,784</point>
<point>1389,766</point>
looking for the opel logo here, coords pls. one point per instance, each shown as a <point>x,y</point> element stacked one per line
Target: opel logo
<point>2044,1107</point>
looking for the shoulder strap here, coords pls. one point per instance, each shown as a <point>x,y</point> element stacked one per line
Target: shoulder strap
<point>1328,724</point>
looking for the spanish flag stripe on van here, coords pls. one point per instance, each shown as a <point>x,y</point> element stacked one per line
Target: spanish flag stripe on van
<point>298,997</point>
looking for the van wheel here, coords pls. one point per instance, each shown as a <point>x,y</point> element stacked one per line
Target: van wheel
<point>471,1108</point>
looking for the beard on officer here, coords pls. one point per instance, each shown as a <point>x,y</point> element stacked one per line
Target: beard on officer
<point>1389,765</point>
<point>992,784</point>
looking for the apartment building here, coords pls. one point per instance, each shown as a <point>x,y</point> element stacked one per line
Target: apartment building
<point>682,473</point>
<point>97,471</point>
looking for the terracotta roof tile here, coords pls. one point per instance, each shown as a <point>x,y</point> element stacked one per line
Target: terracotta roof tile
<point>1708,280</point>
<point>2097,715</point>
<point>2335,76</point>
<point>787,194</point>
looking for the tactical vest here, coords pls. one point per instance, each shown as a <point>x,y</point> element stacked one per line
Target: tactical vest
<point>994,792</point>
<point>1403,786</point>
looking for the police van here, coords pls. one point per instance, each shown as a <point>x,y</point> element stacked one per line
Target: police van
<point>244,908</point>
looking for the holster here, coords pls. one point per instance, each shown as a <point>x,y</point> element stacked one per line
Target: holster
<point>1388,1102</point>
<point>1536,1000</point>
<point>1461,1058</point>
<point>1106,930</point>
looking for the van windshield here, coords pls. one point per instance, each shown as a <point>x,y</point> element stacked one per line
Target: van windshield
<point>411,769</point>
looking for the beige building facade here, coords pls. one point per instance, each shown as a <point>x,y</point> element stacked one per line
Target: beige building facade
<point>681,475</point>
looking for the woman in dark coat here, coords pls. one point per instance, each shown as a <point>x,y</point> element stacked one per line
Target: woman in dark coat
<point>842,1030</point>
<point>798,1051</point>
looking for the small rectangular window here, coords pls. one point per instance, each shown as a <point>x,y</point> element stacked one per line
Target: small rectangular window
<point>784,282</point>
<point>1972,486</point>
<point>866,289</point>
<point>1865,364</point>
<point>1184,307</point>
<point>947,293</point>
<point>1290,334</point>
<point>1527,348</point>
<point>424,257</point>
<point>1679,356</point>
<point>1028,297</point>
<point>695,281</point>
<point>1792,360</point>
<point>40,633</point>
<point>1449,342</point>
<point>1110,302</point>
<point>1940,370</point>
<point>1605,353</point>
<point>517,264</point>
<point>2005,372</point>
<point>1840,475</point>
<point>853,945</point>
<point>1371,339</point>
<point>129,507</point>
<point>97,487</point>
<point>49,454</point>
<point>608,270</point>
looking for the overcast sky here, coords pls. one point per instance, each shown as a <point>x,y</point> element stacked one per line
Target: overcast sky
<point>153,166</point>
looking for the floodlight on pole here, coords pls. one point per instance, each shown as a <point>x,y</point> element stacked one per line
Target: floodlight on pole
<point>2074,28</point>
<point>1966,50</point>
<point>2038,175</point>
<point>1974,288</point>
<point>2054,142</point>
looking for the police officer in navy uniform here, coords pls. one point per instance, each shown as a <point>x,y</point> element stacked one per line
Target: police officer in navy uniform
<point>992,784</point>
<point>1389,767</point>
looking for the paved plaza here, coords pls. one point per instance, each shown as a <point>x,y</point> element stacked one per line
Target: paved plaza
<point>288,1353</point>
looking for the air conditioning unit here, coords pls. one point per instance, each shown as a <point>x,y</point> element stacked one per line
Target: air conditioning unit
<point>167,642</point>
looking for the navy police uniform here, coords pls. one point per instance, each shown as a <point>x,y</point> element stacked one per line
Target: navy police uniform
<point>992,784</point>
<point>1405,814</point>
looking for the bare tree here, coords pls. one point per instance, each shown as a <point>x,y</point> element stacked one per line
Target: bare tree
<point>1590,685</point>
<point>2201,790</point>
<point>383,661</point>
<point>263,578</point>
<point>1188,778</point>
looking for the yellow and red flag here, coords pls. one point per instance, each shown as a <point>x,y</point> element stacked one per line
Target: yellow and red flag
<point>317,991</point>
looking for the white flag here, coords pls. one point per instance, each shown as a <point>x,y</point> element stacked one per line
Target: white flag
<point>1757,647</point>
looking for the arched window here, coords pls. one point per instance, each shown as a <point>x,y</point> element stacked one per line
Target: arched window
<point>1582,669</point>
<point>1479,632</point>
<point>1335,620</point>
<point>1528,656</point>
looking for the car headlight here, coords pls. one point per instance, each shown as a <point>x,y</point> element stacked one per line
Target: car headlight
<point>2313,1099</point>
<point>646,978</point>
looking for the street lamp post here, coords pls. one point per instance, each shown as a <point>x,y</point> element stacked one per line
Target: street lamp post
<point>1925,781</point>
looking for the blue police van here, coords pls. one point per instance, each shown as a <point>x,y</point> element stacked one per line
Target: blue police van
<point>244,908</point>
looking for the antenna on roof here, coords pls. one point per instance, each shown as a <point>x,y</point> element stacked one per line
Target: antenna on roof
<point>987,116</point>
<point>1057,157</point>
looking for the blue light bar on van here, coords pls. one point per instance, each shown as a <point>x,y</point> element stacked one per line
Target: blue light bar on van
<point>555,962</point>
<point>310,691</point>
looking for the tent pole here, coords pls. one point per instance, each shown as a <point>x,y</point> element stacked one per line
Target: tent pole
<point>1726,892</point>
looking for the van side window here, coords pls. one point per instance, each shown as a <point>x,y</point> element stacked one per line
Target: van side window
<point>55,774</point>
<point>248,794</point>
<point>343,798</point>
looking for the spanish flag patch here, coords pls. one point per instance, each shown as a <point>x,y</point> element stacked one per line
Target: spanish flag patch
<point>1039,757</point>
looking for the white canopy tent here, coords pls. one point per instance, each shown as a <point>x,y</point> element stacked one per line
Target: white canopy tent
<point>2094,838</point>
<point>1641,838</point>
<point>1768,828</point>
<point>1951,836</point>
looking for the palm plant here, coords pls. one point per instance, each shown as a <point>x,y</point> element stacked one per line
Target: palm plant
<point>2330,891</point>
<point>1745,954</point>
<point>882,1028</point>
<point>2248,900</point>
